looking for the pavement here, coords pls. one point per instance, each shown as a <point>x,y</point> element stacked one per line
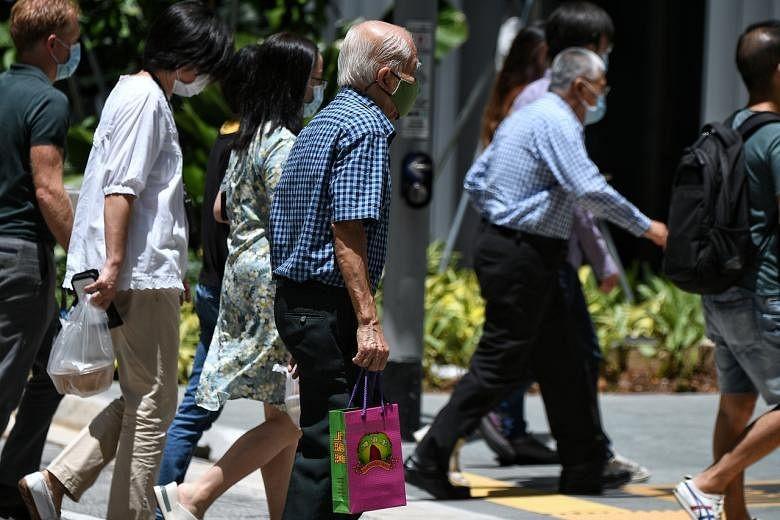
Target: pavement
<point>670,434</point>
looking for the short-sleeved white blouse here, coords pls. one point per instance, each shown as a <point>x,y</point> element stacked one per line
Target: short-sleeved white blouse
<point>135,152</point>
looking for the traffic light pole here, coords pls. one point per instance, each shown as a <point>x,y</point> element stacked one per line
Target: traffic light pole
<point>406,267</point>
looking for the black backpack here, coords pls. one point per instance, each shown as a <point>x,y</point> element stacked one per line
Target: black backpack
<point>709,247</point>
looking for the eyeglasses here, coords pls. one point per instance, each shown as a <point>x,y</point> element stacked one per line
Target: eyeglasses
<point>316,82</point>
<point>406,77</point>
<point>605,91</point>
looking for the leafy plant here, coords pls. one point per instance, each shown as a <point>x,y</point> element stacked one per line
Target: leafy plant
<point>454,314</point>
<point>189,335</point>
<point>666,323</point>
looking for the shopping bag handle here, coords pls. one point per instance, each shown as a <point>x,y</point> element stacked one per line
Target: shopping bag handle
<point>374,378</point>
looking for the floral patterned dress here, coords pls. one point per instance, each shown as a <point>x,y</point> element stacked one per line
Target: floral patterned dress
<point>246,346</point>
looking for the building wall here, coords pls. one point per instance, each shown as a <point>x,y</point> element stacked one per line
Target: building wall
<point>722,89</point>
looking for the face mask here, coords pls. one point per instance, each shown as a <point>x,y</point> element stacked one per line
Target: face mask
<point>310,108</point>
<point>190,89</point>
<point>595,113</point>
<point>66,70</point>
<point>404,95</point>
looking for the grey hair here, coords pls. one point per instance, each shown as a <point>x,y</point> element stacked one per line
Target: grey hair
<point>573,63</point>
<point>360,57</point>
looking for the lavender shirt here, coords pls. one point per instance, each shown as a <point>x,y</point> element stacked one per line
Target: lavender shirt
<point>586,242</point>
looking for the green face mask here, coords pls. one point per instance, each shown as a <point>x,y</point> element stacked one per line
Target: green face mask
<point>405,95</point>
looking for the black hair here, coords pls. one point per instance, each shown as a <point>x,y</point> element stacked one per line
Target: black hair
<point>275,86</point>
<point>577,24</point>
<point>233,84</point>
<point>189,34</point>
<point>758,54</point>
<point>521,67</point>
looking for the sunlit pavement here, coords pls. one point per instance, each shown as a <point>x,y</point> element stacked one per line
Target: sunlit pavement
<point>670,434</point>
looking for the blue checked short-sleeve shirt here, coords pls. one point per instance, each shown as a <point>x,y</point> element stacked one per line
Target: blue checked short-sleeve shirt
<point>536,169</point>
<point>338,170</point>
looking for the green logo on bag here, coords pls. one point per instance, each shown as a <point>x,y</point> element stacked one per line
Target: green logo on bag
<point>375,451</point>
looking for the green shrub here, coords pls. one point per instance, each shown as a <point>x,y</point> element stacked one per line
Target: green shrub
<point>665,323</point>
<point>454,314</point>
<point>189,335</point>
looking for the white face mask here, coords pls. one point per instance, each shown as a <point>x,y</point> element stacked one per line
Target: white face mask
<point>190,89</point>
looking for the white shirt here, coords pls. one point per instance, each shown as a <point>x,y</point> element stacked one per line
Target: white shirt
<point>135,152</point>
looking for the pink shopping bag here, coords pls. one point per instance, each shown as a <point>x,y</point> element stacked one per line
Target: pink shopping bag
<point>366,463</point>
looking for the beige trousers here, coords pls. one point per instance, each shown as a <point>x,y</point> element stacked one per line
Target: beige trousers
<point>131,428</point>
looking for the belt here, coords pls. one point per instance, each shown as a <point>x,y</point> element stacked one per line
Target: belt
<point>287,283</point>
<point>531,238</point>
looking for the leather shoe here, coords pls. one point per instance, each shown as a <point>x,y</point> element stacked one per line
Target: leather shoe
<point>589,479</point>
<point>428,477</point>
<point>531,451</point>
<point>490,430</point>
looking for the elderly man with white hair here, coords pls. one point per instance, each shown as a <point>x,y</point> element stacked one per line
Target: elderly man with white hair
<point>525,186</point>
<point>329,225</point>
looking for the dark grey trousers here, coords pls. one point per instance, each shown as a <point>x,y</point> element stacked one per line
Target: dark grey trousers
<point>28,324</point>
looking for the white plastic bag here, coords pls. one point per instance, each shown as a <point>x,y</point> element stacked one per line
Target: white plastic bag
<point>82,357</point>
<point>292,395</point>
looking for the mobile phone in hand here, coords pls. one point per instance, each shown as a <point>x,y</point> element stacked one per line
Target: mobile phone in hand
<point>85,278</point>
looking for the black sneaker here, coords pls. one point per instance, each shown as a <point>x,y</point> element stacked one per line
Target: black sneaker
<point>531,451</point>
<point>432,480</point>
<point>490,429</point>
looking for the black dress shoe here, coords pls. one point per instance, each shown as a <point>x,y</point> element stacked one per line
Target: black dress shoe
<point>490,430</point>
<point>531,451</point>
<point>590,480</point>
<point>432,480</point>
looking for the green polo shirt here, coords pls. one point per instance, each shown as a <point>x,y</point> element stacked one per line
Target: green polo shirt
<point>762,167</point>
<point>32,112</point>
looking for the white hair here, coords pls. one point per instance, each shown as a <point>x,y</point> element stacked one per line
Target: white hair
<point>361,56</point>
<point>573,63</point>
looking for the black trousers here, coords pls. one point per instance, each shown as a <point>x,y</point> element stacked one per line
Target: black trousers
<point>318,326</point>
<point>526,327</point>
<point>28,324</point>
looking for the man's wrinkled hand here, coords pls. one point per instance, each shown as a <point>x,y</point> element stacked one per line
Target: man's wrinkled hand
<point>657,233</point>
<point>373,350</point>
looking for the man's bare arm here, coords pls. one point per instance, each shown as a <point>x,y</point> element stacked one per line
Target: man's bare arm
<point>350,246</point>
<point>47,165</point>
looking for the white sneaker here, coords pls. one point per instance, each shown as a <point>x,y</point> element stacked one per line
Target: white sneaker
<point>168,501</point>
<point>698,505</point>
<point>620,463</point>
<point>37,497</point>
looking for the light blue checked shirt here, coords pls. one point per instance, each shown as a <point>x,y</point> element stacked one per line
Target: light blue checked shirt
<point>537,167</point>
<point>338,170</point>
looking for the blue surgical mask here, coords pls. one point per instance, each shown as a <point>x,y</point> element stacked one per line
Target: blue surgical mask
<point>595,113</point>
<point>66,70</point>
<point>310,108</point>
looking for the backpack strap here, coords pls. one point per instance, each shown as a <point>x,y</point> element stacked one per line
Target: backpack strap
<point>753,123</point>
